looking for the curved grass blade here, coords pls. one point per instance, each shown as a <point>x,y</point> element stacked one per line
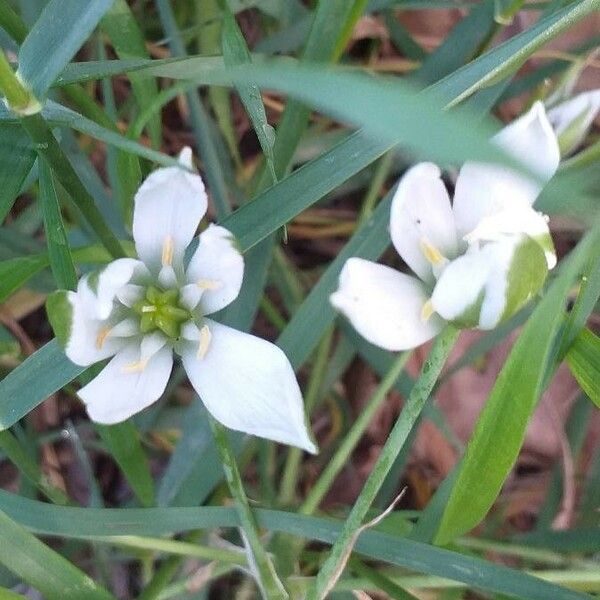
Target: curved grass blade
<point>46,570</point>
<point>89,522</point>
<point>500,429</point>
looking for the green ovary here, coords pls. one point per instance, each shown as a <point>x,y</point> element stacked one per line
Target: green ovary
<point>160,310</point>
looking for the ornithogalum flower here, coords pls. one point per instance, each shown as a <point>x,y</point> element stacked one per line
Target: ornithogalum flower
<point>142,311</point>
<point>477,261</point>
<point>573,118</point>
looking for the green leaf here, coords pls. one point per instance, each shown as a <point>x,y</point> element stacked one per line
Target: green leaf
<point>16,271</point>
<point>235,52</point>
<point>17,157</point>
<point>46,570</point>
<point>123,442</point>
<point>59,252</point>
<point>128,41</point>
<point>43,373</point>
<point>505,60</point>
<point>500,429</point>
<point>56,36</point>
<point>584,361</point>
<point>90,522</point>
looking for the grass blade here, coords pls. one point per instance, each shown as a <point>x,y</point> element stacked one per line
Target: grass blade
<point>504,418</point>
<point>60,31</point>
<point>44,569</point>
<point>59,252</point>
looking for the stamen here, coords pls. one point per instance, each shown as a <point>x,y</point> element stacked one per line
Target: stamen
<point>167,252</point>
<point>205,338</point>
<point>135,367</point>
<point>209,284</point>
<point>148,308</point>
<point>427,311</point>
<point>431,253</point>
<point>102,335</point>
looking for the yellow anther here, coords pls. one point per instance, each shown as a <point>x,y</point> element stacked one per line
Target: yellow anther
<point>148,308</point>
<point>205,337</point>
<point>167,252</point>
<point>431,253</point>
<point>135,367</point>
<point>102,335</point>
<point>427,311</point>
<point>209,284</point>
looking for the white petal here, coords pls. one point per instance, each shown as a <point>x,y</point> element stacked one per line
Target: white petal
<point>88,340</point>
<point>168,208</point>
<point>484,189</point>
<point>129,294</point>
<point>248,384</point>
<point>422,221</point>
<point>217,267</point>
<point>189,296</point>
<point>526,221</point>
<point>384,305</point>
<point>102,287</point>
<point>487,286</point>
<point>459,291</point>
<point>121,389</point>
<point>572,119</point>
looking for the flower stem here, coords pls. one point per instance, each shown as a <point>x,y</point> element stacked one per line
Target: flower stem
<point>17,96</point>
<point>46,144</point>
<point>258,558</point>
<point>430,372</point>
<point>348,444</point>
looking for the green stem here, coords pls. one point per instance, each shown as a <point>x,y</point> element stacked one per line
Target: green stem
<point>17,95</point>
<point>294,457</point>
<point>382,171</point>
<point>266,576</point>
<point>340,458</point>
<point>46,144</point>
<point>408,417</point>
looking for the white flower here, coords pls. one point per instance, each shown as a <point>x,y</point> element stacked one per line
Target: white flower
<point>141,311</point>
<point>477,261</point>
<point>573,118</point>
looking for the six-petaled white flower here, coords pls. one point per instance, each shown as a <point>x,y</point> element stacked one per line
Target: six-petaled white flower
<point>141,311</point>
<point>573,118</point>
<point>477,260</point>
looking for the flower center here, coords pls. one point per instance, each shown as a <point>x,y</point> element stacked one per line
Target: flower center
<point>161,310</point>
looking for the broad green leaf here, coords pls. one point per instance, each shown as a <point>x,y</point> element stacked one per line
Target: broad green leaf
<point>57,35</point>
<point>43,568</point>
<point>17,157</point>
<point>59,252</point>
<point>43,373</point>
<point>500,429</point>
<point>584,360</point>
<point>123,442</point>
<point>89,522</point>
